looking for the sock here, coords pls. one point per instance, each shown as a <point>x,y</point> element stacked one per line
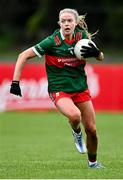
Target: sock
<point>92,157</point>
<point>77,130</point>
<point>92,163</point>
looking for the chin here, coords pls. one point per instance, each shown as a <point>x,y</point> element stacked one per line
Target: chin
<point>67,33</point>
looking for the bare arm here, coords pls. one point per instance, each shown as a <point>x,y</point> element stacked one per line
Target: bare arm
<point>21,60</point>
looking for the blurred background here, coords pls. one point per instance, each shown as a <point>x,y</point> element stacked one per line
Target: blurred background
<point>25,22</point>
<point>39,145</point>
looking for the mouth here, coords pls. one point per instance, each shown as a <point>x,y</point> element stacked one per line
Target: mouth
<point>67,29</point>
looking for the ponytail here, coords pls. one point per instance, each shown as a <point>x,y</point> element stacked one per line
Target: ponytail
<point>82,25</point>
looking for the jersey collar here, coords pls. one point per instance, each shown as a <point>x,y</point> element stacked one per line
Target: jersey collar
<point>62,36</point>
<point>66,40</point>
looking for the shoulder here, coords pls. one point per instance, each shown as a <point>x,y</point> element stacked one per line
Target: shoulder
<point>48,41</point>
<point>80,34</point>
<point>52,40</point>
<point>56,37</point>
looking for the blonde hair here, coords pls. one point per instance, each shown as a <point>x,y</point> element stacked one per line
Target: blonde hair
<point>82,24</point>
<point>73,11</point>
<point>80,19</point>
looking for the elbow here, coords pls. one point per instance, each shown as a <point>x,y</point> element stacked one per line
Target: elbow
<point>23,56</point>
<point>27,54</point>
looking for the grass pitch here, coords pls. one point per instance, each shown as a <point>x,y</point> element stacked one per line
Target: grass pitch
<point>39,145</point>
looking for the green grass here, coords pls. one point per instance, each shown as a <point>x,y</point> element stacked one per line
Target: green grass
<point>39,145</point>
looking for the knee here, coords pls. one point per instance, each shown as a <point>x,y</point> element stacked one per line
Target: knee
<point>91,132</point>
<point>75,117</point>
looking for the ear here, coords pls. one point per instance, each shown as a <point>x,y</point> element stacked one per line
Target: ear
<point>59,23</point>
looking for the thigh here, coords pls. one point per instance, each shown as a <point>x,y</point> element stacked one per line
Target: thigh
<point>88,114</point>
<point>67,107</point>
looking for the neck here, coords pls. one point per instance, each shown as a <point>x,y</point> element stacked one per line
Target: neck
<point>64,36</point>
<point>69,37</point>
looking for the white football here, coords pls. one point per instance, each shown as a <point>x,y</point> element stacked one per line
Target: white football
<point>78,47</point>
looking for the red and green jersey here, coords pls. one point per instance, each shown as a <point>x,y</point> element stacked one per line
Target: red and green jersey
<point>64,71</point>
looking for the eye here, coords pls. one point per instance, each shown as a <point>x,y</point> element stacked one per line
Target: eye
<point>62,21</point>
<point>70,20</point>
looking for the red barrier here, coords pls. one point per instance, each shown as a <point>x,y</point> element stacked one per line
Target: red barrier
<point>105,84</point>
<point>34,88</point>
<point>110,95</point>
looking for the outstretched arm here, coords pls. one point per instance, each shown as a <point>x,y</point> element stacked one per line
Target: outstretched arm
<point>21,60</point>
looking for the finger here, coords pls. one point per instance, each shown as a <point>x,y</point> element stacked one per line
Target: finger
<point>84,51</point>
<point>91,45</point>
<point>20,94</point>
<point>86,47</point>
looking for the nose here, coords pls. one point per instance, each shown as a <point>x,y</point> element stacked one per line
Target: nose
<point>66,22</point>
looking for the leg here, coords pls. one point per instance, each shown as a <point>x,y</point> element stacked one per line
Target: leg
<point>88,120</point>
<point>67,107</point>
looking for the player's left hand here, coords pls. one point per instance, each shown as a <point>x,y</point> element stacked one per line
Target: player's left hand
<point>91,51</point>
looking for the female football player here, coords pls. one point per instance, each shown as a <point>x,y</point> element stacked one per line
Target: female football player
<point>67,81</point>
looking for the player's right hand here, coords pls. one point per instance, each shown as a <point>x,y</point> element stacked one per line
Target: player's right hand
<point>15,88</point>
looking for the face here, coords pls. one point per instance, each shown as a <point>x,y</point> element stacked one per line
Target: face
<point>67,23</point>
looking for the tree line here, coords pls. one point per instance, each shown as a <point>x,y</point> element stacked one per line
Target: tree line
<point>28,21</point>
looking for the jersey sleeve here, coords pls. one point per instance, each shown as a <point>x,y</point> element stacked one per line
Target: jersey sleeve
<point>84,35</point>
<point>41,48</point>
